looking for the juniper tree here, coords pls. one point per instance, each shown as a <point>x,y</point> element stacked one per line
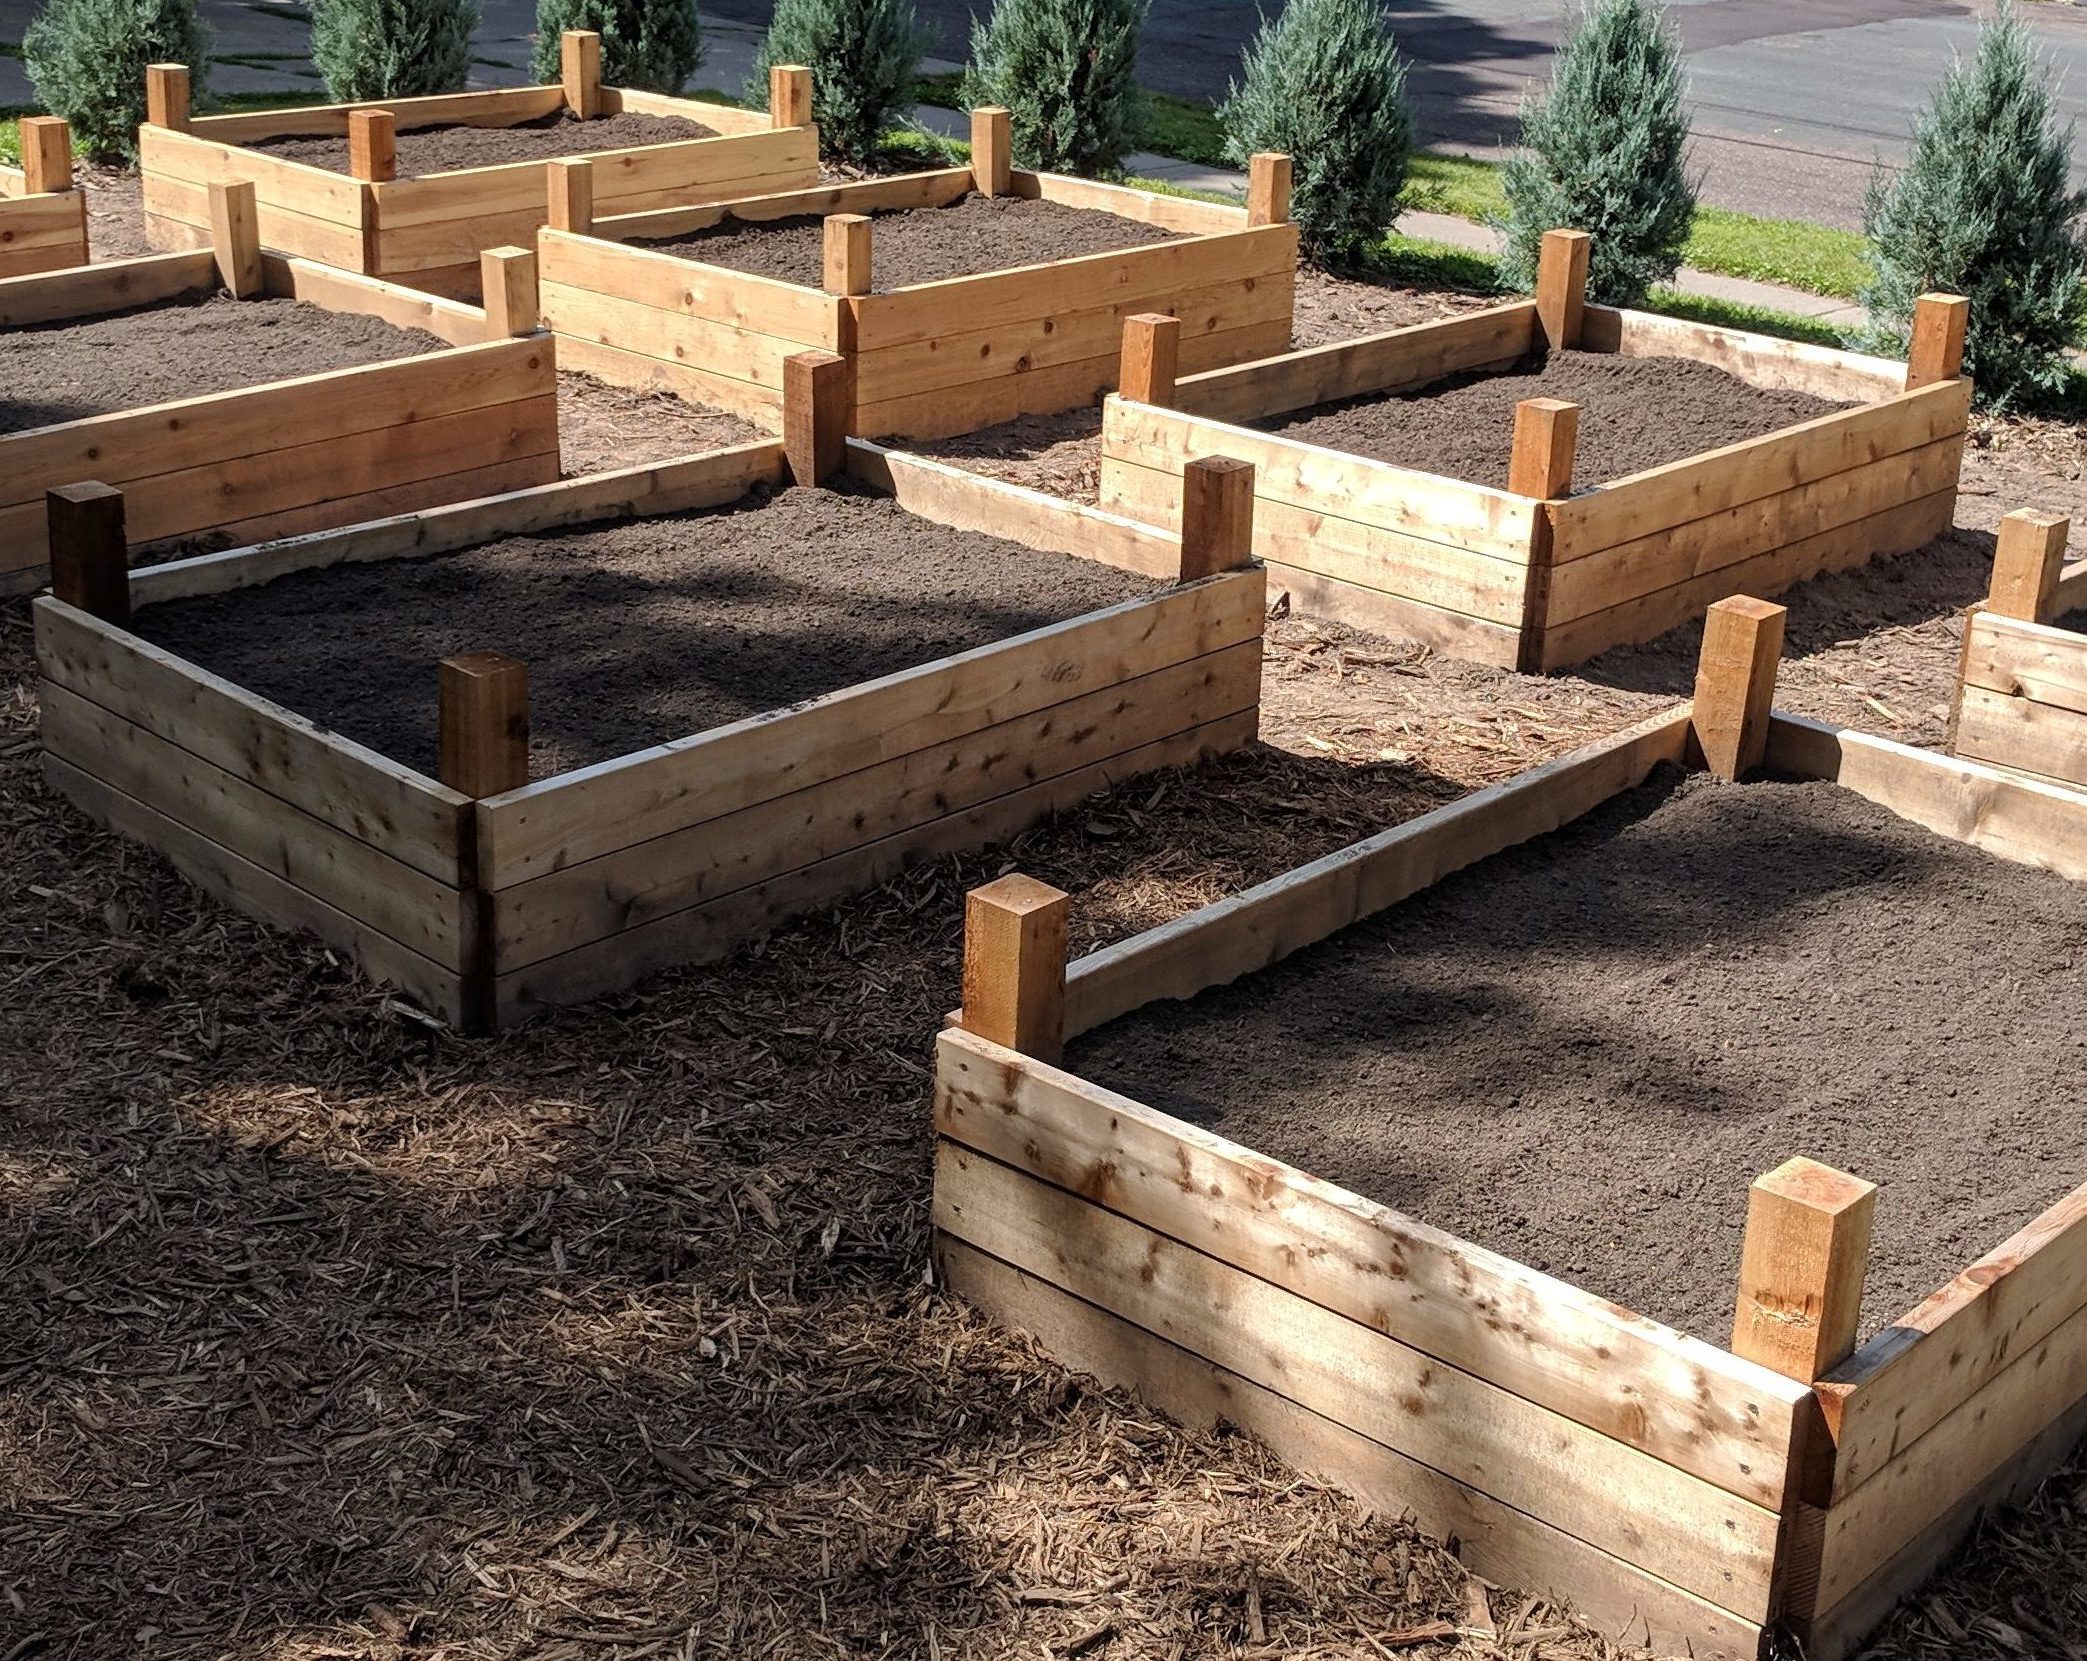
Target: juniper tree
<point>1984,208</point>
<point>652,44</point>
<point>1325,83</point>
<point>1605,150</point>
<point>366,49</point>
<point>88,58</point>
<point>1067,72</point>
<point>864,56</point>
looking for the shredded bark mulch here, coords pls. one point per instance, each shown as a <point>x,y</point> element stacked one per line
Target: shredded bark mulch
<point>426,150</point>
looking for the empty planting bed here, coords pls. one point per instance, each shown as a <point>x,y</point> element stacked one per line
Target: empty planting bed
<point>424,150</point>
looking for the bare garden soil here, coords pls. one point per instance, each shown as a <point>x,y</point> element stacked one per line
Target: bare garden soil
<point>638,632</point>
<point>427,150</point>
<point>182,349</point>
<point>920,245</point>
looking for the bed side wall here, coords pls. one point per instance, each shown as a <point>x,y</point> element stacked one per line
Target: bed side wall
<point>2022,698</point>
<point>45,232</point>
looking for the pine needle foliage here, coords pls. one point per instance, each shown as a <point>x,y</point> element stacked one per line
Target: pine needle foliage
<point>864,56</point>
<point>653,45</point>
<point>1067,72</point>
<point>87,59</point>
<point>365,49</point>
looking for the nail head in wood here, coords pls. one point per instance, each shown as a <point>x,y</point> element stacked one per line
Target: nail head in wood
<point>1561,287</point>
<point>579,71</point>
<point>167,96</point>
<point>992,150</point>
<point>90,557</point>
<point>847,253</point>
<point>1735,684</point>
<point>1268,174</point>
<point>2028,556</point>
<point>815,415</point>
<point>571,188</point>
<point>373,146</point>
<point>235,237</point>
<point>1937,350</point>
<point>1547,431</point>
<point>46,143</point>
<point>789,95</point>
<point>484,723</point>
<point>1151,358</point>
<point>1217,516</point>
<point>1014,966</point>
<point>1802,1268</point>
<point>507,279</point>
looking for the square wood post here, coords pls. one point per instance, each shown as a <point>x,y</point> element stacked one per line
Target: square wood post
<point>1014,966</point>
<point>373,146</point>
<point>1547,431</point>
<point>90,558</point>
<point>235,238</point>
<point>847,268</point>
<point>46,155</point>
<point>1802,1268</point>
<point>579,71</point>
<point>789,95</point>
<point>1268,188</point>
<point>1561,288</point>
<point>816,396</point>
<point>507,277</point>
<point>1151,360</point>
<point>1735,684</point>
<point>2027,558</point>
<point>571,189</point>
<point>992,150</point>
<point>167,96</point>
<point>484,723</point>
<point>1937,349</point>
<point>1217,516</point>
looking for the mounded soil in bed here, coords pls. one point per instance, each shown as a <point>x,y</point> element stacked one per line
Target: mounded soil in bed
<point>921,245</point>
<point>1581,1052</point>
<point>445,149</point>
<point>64,371</point>
<point>639,632</point>
<point>1634,413</point>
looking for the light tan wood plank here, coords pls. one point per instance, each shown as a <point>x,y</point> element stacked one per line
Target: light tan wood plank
<point>674,284</point>
<point>761,405</point>
<point>359,295</point>
<point>467,486</point>
<point>2004,731</point>
<point>2028,660</point>
<point>502,107</point>
<point>1148,207</point>
<point>696,343</point>
<point>1759,360</point>
<point>335,241</point>
<point>113,285</point>
<point>1476,641</point>
<point>935,189</point>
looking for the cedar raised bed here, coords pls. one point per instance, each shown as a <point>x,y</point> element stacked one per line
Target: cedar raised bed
<point>428,232</point>
<point>289,455</point>
<point>487,897</point>
<point>43,215</point>
<point>1540,575</point>
<point>927,359</point>
<point>1694,1497</point>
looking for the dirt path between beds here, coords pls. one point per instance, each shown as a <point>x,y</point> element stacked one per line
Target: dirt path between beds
<point>446,149</point>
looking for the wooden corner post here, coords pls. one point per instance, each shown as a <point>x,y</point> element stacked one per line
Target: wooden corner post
<point>46,155</point>
<point>848,253</point>
<point>571,189</point>
<point>1561,288</point>
<point>1217,516</point>
<point>815,415</point>
<point>1547,432</point>
<point>90,557</point>
<point>1802,1268</point>
<point>992,150</point>
<point>373,146</point>
<point>579,71</point>
<point>2027,558</point>
<point>789,95</point>
<point>1735,684</point>
<point>1014,966</point>
<point>235,237</point>
<point>1936,352</point>
<point>484,723</point>
<point>1151,361</point>
<point>167,96</point>
<point>1268,174</point>
<point>507,278</point>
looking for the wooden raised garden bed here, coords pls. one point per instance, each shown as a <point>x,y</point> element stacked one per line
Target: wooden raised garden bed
<point>1692,1496</point>
<point>487,896</point>
<point>289,454</point>
<point>43,214</point>
<point>429,231</point>
<point>927,359</point>
<point>1541,575</point>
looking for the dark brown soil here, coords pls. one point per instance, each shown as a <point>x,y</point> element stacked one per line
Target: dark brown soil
<point>446,149</point>
<point>921,245</point>
<point>1634,413</point>
<point>640,632</point>
<point>64,371</point>
<point>1582,1052</point>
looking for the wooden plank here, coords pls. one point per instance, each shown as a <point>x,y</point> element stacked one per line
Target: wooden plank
<point>713,930</point>
<point>43,233</point>
<point>1266,923</point>
<point>710,854</point>
<point>354,876</point>
<point>935,189</point>
<point>673,284</point>
<point>1184,214</point>
<point>279,183</point>
<point>334,241</point>
<point>710,348</point>
<point>1312,593</point>
<point>2018,732</point>
<point>1672,1398</point>
<point>1759,360</point>
<point>722,118</point>
<point>336,781</point>
<point>502,107</point>
<point>2005,813</point>
<point>2021,659</point>
<point>248,888</point>
<point>112,285</point>
<point>1605,1492</point>
<point>596,810</point>
<point>760,405</point>
<point>366,296</point>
